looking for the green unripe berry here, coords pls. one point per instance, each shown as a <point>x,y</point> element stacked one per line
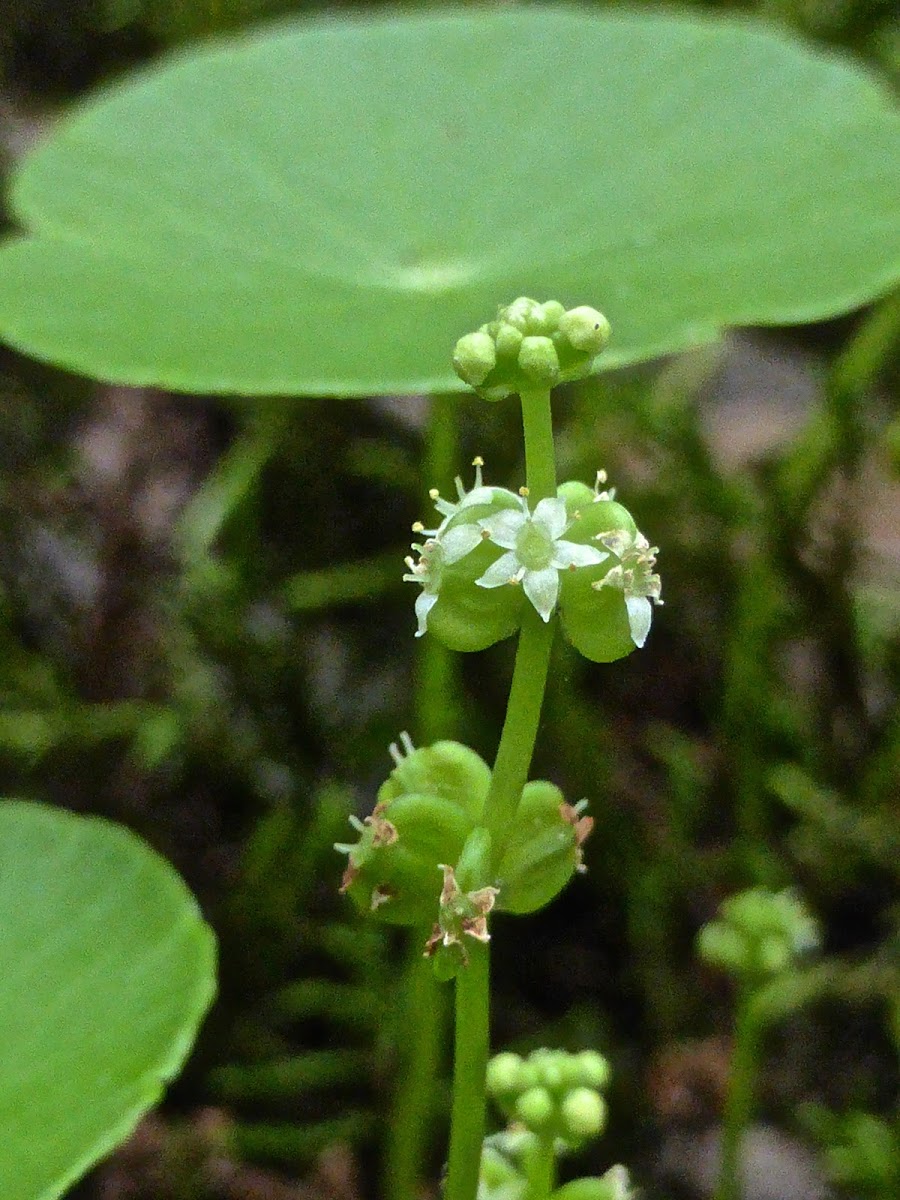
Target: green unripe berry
<point>474,357</point>
<point>539,361</point>
<point>583,1114</point>
<point>585,329</point>
<point>535,1108</point>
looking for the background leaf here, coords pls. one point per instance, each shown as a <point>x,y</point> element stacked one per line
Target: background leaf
<point>323,209</point>
<point>107,969</point>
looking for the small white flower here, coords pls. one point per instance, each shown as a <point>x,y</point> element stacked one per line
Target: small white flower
<point>426,570</point>
<point>536,551</point>
<point>633,575</point>
<point>448,510</point>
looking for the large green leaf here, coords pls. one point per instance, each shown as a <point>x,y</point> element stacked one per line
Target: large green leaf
<point>106,969</point>
<point>324,208</point>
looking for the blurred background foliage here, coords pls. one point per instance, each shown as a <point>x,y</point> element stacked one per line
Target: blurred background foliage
<point>205,636</point>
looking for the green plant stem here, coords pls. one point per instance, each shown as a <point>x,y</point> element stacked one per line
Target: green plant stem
<point>419,1039</point>
<point>470,1057</point>
<point>739,1101</point>
<point>540,458</point>
<point>523,710</point>
<point>520,727</point>
<point>423,1013</point>
<point>540,1169</point>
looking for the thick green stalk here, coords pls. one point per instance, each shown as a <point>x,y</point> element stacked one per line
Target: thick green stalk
<point>541,1170</point>
<point>470,1058</point>
<point>523,710</point>
<point>540,457</point>
<point>739,1102</point>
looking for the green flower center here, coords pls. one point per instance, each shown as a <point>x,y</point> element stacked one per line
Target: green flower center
<point>534,547</point>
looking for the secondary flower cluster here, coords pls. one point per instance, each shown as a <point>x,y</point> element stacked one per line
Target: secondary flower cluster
<point>530,346</point>
<point>758,933</point>
<point>423,855</point>
<point>492,553</point>
<point>551,1092</point>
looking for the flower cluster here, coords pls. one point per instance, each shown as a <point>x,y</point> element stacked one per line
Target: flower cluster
<point>426,825</point>
<point>551,1092</point>
<point>530,346</point>
<point>492,553</point>
<point>758,933</point>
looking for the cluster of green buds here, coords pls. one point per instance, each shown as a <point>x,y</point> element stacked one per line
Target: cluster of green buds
<point>424,857</point>
<point>758,934</point>
<point>552,1093</point>
<point>579,552</point>
<point>530,346</point>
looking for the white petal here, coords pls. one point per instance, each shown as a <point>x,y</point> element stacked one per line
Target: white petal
<point>551,513</point>
<point>459,541</point>
<point>542,589</point>
<point>502,571</point>
<point>479,495</point>
<point>640,612</point>
<point>572,554</point>
<point>504,527</point>
<point>425,602</point>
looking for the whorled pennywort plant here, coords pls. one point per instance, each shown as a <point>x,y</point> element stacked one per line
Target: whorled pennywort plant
<point>450,840</point>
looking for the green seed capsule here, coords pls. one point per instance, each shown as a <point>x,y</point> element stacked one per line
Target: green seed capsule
<point>543,849</point>
<point>392,869</point>
<point>447,769</point>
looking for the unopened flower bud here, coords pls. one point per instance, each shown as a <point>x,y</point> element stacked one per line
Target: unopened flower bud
<point>508,340</point>
<point>585,328</point>
<point>474,358</point>
<point>503,1074</point>
<point>539,361</point>
<point>593,1069</point>
<point>583,1114</point>
<point>535,1108</point>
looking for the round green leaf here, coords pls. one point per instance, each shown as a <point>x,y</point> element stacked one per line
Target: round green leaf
<point>106,969</point>
<point>326,208</point>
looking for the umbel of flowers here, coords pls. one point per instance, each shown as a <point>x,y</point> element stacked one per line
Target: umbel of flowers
<point>579,553</point>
